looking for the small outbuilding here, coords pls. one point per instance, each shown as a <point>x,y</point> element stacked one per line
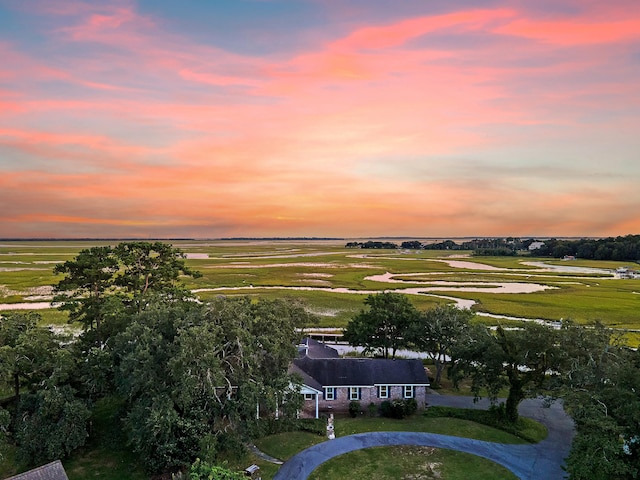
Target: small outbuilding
<point>50,471</point>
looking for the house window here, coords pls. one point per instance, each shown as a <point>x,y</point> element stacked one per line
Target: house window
<point>408,391</point>
<point>354,393</point>
<point>383,391</point>
<point>330,393</point>
<point>309,396</point>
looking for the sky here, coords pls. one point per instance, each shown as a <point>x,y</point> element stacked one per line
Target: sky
<point>319,118</point>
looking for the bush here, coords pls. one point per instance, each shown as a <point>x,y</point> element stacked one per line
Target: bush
<point>52,423</point>
<point>372,409</point>
<point>410,405</point>
<point>398,409</point>
<point>354,408</point>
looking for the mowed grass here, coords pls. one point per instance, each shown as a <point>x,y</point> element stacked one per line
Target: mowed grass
<point>285,445</point>
<point>410,462</point>
<point>420,423</point>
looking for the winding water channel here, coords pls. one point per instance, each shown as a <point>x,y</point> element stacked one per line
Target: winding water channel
<point>426,287</point>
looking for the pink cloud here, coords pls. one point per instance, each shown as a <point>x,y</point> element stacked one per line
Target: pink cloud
<point>396,34</point>
<point>366,132</point>
<point>571,32</point>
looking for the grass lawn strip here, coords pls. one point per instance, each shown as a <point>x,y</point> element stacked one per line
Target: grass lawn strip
<point>410,463</point>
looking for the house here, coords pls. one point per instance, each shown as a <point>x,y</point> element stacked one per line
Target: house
<point>330,383</point>
<point>535,245</point>
<point>50,471</point>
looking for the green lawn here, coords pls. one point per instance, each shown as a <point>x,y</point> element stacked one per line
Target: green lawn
<point>106,455</point>
<point>409,462</point>
<point>285,445</point>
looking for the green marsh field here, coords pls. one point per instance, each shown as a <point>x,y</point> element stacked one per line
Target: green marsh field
<point>333,280</point>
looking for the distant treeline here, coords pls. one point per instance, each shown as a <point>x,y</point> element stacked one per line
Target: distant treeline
<point>372,244</point>
<point>480,246</point>
<point>619,248</point>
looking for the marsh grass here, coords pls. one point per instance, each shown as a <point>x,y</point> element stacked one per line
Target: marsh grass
<point>327,264</point>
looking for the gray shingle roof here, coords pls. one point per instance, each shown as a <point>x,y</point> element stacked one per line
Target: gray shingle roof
<point>50,471</point>
<point>306,379</point>
<point>315,349</point>
<point>335,372</point>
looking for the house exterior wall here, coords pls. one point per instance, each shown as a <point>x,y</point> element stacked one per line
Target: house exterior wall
<point>367,395</point>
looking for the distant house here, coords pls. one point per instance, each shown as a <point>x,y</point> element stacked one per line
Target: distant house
<point>50,471</point>
<point>626,273</point>
<point>330,383</point>
<point>535,246</point>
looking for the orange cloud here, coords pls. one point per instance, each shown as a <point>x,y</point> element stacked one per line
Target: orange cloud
<point>367,133</point>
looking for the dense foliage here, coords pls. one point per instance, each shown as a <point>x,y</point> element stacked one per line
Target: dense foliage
<point>436,332</point>
<point>49,418</point>
<point>480,246</point>
<point>193,372</point>
<point>521,360</point>
<point>613,248</point>
<point>192,377</point>
<point>382,328</point>
<point>103,284</point>
<point>372,244</point>
<point>602,394</point>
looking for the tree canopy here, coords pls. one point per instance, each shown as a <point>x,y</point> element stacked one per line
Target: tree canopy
<point>522,360</point>
<point>193,371</point>
<point>383,327</point>
<point>436,332</point>
<point>102,282</point>
<point>49,419</point>
<point>601,391</point>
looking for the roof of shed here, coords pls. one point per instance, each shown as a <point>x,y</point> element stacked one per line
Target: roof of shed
<point>50,471</point>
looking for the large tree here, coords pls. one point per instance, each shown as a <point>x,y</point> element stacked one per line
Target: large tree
<point>31,356</point>
<point>89,278</point>
<point>49,419</point>
<point>151,268</point>
<point>521,360</point>
<point>384,325</point>
<point>436,332</point>
<point>192,372</point>
<point>102,285</point>
<point>601,392</point>
<point>52,423</point>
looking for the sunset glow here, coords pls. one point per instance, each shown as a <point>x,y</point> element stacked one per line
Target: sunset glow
<point>259,118</point>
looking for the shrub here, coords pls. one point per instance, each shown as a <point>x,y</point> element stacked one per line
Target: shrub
<point>372,409</point>
<point>354,408</point>
<point>410,405</point>
<point>398,408</point>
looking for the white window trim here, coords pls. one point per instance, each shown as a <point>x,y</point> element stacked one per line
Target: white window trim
<point>411,389</point>
<point>330,393</point>
<point>309,396</point>
<point>355,390</point>
<point>386,393</point>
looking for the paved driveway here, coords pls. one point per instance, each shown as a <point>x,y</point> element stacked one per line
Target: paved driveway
<point>528,462</point>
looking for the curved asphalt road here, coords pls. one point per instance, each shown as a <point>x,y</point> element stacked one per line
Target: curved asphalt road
<point>528,462</point>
